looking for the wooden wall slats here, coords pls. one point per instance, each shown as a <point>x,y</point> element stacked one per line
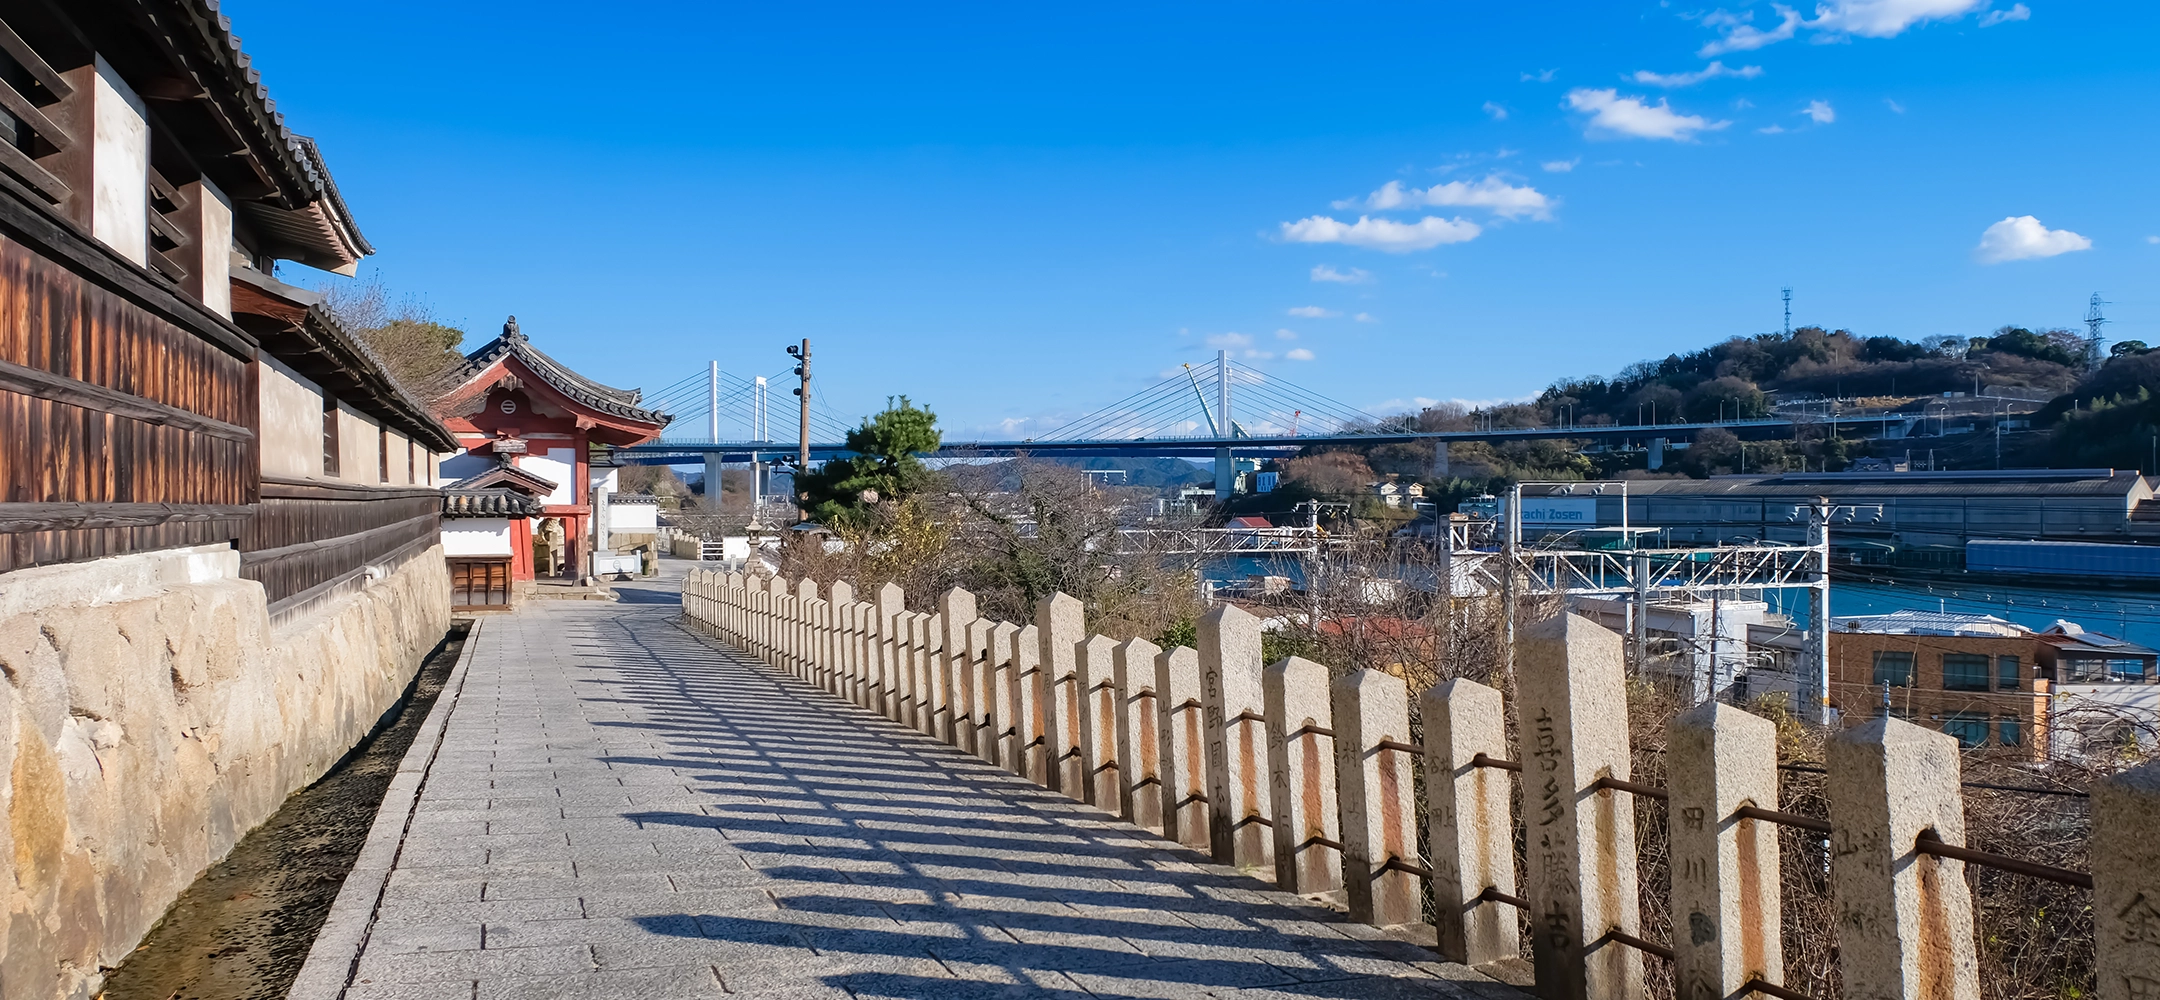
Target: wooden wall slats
<point>105,402</point>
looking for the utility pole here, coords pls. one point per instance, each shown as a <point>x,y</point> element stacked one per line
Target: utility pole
<point>802,448</point>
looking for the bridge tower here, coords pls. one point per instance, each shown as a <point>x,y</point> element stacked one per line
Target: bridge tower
<point>1225,467</point>
<point>713,458</point>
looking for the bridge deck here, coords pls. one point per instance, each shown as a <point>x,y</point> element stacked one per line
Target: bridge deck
<point>619,808</point>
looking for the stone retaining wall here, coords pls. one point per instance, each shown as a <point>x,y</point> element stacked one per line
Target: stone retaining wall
<point>151,716</point>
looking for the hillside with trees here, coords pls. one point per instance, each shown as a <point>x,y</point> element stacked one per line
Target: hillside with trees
<point>2106,417</point>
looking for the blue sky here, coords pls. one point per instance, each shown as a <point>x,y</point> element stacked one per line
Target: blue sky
<point>1016,213</point>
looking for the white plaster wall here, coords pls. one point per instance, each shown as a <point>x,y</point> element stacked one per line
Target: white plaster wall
<point>403,462</point>
<point>463,465</point>
<point>151,716</point>
<point>358,446</point>
<point>644,517</point>
<point>210,279</point>
<point>603,478</point>
<point>557,466</point>
<point>476,536</point>
<point>119,166</point>
<point>292,421</point>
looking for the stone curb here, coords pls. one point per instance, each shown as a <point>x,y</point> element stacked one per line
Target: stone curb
<point>344,934</point>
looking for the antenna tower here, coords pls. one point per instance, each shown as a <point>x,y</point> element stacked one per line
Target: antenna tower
<point>1788,312</point>
<point>2093,321</point>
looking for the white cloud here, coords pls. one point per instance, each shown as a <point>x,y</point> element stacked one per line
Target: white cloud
<point>1223,341</point>
<point>1286,335</point>
<point>1741,36</point>
<point>1299,354</point>
<point>1820,112</point>
<point>1382,234</point>
<point>2022,237</point>
<point>1366,318</point>
<point>1498,113</point>
<point>1886,18</point>
<point>2152,239</point>
<point>1895,107</point>
<point>2017,12</point>
<point>1541,76</point>
<point>1710,72</point>
<point>1771,130</point>
<point>1504,199</point>
<point>1560,166</point>
<point>1312,312</point>
<point>1613,114</point>
<point>1354,276</point>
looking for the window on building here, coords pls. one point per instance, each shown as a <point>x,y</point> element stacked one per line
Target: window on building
<point>329,436</point>
<point>1965,672</point>
<point>2008,731</point>
<point>2006,673</point>
<point>1893,667</point>
<point>1971,729</point>
<point>2095,670</point>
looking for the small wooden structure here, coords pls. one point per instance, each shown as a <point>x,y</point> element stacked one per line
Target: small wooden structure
<point>487,534</point>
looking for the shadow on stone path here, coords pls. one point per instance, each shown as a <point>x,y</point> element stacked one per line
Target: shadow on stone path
<point>621,807</point>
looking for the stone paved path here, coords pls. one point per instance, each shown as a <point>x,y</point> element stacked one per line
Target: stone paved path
<point>619,808</point>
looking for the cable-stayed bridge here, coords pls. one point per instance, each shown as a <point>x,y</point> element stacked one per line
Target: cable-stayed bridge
<point>1219,410</point>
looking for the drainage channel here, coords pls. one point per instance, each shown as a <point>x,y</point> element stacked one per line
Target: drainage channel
<point>243,930</point>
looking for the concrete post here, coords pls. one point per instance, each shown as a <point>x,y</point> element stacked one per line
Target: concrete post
<point>1440,469</point>
<point>929,683</point>
<point>1571,712</point>
<point>806,596</point>
<point>1470,822</point>
<point>977,676</point>
<point>1137,751</point>
<point>1094,663</point>
<point>1237,778</point>
<point>1905,919</point>
<point>906,645</point>
<point>1030,707</point>
<point>1181,719</point>
<point>1656,459</point>
<point>1378,785</point>
<point>1301,769</point>
<point>2126,883</point>
<point>949,689</point>
<point>1059,621</point>
<point>1725,892</point>
<point>842,623</point>
<point>890,601</point>
<point>998,704</point>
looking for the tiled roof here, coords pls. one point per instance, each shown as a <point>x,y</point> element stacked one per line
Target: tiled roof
<point>633,498</point>
<point>508,477</point>
<point>605,398</point>
<point>489,503</point>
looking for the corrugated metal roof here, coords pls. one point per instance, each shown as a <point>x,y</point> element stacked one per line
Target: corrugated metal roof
<point>1930,623</point>
<point>2039,483</point>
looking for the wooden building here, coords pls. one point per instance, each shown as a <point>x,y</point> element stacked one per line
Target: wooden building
<point>160,386</point>
<point>515,406</point>
<point>219,527</point>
